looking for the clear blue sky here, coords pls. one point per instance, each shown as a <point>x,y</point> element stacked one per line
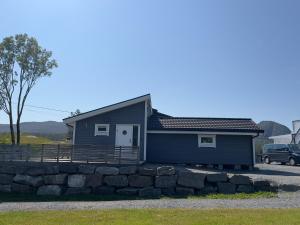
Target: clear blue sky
<point>197,58</point>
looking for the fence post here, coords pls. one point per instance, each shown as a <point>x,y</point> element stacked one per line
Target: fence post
<point>42,153</point>
<point>138,155</point>
<point>28,154</point>
<point>72,149</point>
<point>120,150</point>
<point>58,151</point>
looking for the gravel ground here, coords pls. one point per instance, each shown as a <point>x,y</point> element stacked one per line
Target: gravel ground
<point>286,202</point>
<point>287,177</point>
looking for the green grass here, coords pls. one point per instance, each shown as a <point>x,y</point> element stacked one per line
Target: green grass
<point>28,139</point>
<point>155,217</point>
<point>11,197</point>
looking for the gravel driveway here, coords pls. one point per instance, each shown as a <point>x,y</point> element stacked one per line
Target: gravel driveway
<point>287,177</point>
<point>281,202</point>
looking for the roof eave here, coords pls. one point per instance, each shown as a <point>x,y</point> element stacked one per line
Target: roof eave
<point>209,130</point>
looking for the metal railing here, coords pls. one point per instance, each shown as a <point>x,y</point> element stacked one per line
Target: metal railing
<point>70,153</point>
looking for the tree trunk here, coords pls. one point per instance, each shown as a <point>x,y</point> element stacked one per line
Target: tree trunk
<point>12,132</point>
<point>18,131</point>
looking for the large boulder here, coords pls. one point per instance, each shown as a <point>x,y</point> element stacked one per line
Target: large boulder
<point>116,181</point>
<point>86,169</point>
<point>76,181</point>
<point>147,170</point>
<point>240,180</point>
<point>128,191</point>
<point>165,181</point>
<point>150,192</point>
<point>54,190</point>
<point>226,188</point>
<point>262,185</point>
<point>21,188</point>
<point>104,190</point>
<point>191,180</point>
<point>5,188</point>
<point>217,177</point>
<point>6,178</point>
<point>168,191</point>
<point>165,170</point>
<point>28,180</point>
<point>128,170</point>
<point>68,168</point>
<point>106,170</point>
<point>58,179</point>
<point>245,189</point>
<point>36,171</point>
<point>140,181</point>
<point>50,170</point>
<point>77,191</point>
<point>4,169</point>
<point>184,191</point>
<point>93,180</point>
<point>208,189</point>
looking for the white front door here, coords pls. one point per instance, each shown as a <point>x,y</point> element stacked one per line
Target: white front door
<point>124,134</point>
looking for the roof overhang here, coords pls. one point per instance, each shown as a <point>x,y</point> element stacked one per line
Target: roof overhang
<point>253,133</point>
<point>72,120</point>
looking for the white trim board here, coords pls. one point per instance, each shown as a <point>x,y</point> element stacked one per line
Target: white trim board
<point>199,132</point>
<point>107,109</point>
<point>74,133</point>
<point>145,131</point>
<point>254,152</point>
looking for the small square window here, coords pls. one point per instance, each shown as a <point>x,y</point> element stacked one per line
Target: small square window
<point>207,141</point>
<point>102,130</point>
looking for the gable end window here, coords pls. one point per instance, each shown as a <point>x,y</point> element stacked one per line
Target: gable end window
<point>206,141</point>
<point>101,129</point>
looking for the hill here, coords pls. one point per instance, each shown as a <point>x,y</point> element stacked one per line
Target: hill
<point>273,129</point>
<point>50,129</point>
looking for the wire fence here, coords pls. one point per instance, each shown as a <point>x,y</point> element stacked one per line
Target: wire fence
<point>70,153</point>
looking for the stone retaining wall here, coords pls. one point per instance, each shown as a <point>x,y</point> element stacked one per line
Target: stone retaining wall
<point>143,181</point>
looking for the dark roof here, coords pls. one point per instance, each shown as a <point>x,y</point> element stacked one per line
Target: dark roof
<point>202,124</point>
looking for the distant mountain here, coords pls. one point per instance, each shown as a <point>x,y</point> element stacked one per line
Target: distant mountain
<point>273,129</point>
<point>51,129</point>
<point>48,127</point>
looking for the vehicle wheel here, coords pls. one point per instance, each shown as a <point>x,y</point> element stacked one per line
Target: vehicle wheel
<point>292,162</point>
<point>267,160</point>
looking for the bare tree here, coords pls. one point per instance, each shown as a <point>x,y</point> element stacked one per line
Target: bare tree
<point>22,63</point>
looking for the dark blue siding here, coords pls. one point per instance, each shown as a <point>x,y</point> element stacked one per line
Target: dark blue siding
<point>85,129</point>
<point>183,148</point>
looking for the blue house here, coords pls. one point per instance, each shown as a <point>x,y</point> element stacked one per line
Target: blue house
<point>161,138</point>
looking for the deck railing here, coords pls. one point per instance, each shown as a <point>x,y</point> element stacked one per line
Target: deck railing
<point>70,153</point>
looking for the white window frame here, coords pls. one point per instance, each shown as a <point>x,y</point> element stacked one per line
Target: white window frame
<point>102,133</point>
<point>207,145</point>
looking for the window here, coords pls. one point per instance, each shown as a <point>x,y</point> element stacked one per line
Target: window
<point>102,130</point>
<point>135,136</point>
<point>207,141</point>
